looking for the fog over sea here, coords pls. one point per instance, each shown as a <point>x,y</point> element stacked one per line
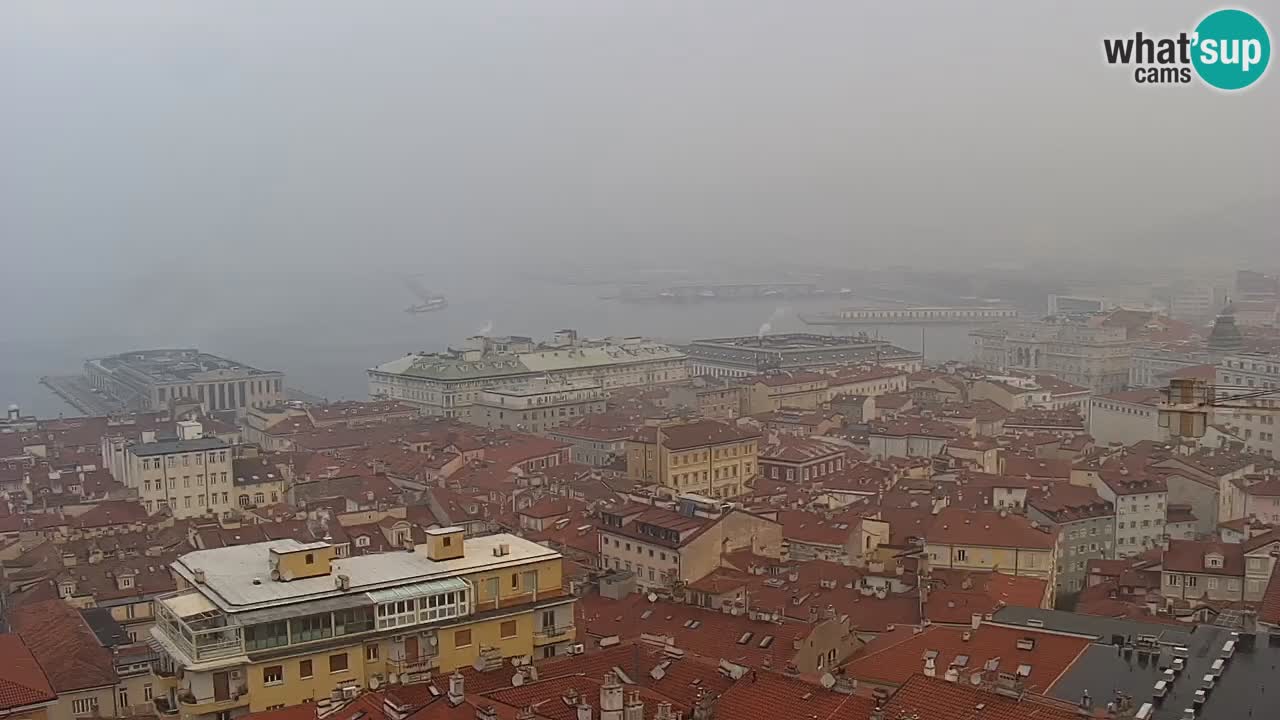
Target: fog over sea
<point>325,329</point>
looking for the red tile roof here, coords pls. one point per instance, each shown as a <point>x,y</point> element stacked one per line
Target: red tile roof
<point>1269,610</point>
<point>1188,556</point>
<point>714,637</point>
<point>771,696</point>
<point>112,512</point>
<point>987,528</point>
<point>932,698</point>
<point>701,433</point>
<point>893,658</point>
<point>22,681</point>
<point>64,646</point>
<point>959,594</point>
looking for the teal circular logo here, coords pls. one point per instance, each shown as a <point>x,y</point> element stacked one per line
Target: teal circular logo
<point>1232,49</point>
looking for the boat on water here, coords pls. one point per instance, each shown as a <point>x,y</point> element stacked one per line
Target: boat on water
<point>428,301</point>
<point>433,304</point>
<point>846,291</point>
<point>707,294</point>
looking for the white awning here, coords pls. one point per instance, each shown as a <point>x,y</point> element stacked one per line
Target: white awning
<point>189,605</point>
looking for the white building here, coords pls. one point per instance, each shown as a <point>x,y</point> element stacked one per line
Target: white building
<point>449,383</point>
<point>1239,373</point>
<point>1140,502</point>
<point>537,405</point>
<point>1124,418</point>
<point>1093,357</point>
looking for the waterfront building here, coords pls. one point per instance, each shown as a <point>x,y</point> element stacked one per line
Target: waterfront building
<point>157,379</point>
<point>448,383</point>
<point>752,355</point>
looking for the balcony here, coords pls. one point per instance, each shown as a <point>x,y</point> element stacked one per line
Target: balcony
<point>190,623</point>
<point>553,634</point>
<point>191,705</point>
<point>418,664</point>
<point>163,708</point>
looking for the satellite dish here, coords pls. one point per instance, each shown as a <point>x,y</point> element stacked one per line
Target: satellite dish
<point>828,681</point>
<point>374,682</point>
<point>431,640</point>
<point>975,679</point>
<point>657,673</point>
<point>517,680</point>
<point>478,664</point>
<point>652,597</point>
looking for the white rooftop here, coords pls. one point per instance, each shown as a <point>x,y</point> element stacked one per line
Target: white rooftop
<point>238,578</point>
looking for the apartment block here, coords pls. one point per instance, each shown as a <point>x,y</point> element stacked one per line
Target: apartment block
<point>267,625</point>
<point>188,474</point>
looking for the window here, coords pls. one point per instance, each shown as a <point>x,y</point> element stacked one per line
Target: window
<point>122,698</point>
<point>397,613</point>
<point>962,555</point>
<point>84,706</point>
<point>311,627</point>
<point>461,638</point>
<point>1191,581</point>
<point>1213,583</point>
<point>273,675</point>
<point>444,605</point>
<point>146,693</point>
<point>266,635</point>
<point>304,669</point>
<point>508,629</point>
<point>338,663</point>
<point>370,653</point>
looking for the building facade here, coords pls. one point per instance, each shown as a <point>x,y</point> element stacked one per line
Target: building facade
<point>189,475</point>
<point>1096,358</point>
<point>269,625</point>
<point>988,540</point>
<point>704,457</point>
<point>447,384</point>
<point>1085,524</point>
<point>1244,371</point>
<point>155,379</point>
<point>752,355</point>
<point>536,406</point>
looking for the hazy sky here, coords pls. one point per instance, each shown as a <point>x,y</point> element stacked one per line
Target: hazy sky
<point>158,137</point>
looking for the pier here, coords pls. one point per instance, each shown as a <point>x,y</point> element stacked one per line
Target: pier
<point>76,391</point>
<point>979,315</point>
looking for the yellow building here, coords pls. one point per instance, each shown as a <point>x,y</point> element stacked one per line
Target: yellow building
<point>988,540</point>
<point>706,458</point>
<point>272,624</point>
<point>778,390</point>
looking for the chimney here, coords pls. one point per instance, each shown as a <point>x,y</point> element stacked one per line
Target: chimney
<point>634,709</point>
<point>975,620</point>
<point>611,703</point>
<point>486,712</point>
<point>457,691</point>
<point>525,713</point>
<point>664,712</point>
<point>930,667</point>
<point>584,711</point>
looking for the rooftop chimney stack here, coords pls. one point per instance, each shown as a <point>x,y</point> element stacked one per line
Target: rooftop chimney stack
<point>584,711</point>
<point>611,702</point>
<point>634,709</point>
<point>457,689</point>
